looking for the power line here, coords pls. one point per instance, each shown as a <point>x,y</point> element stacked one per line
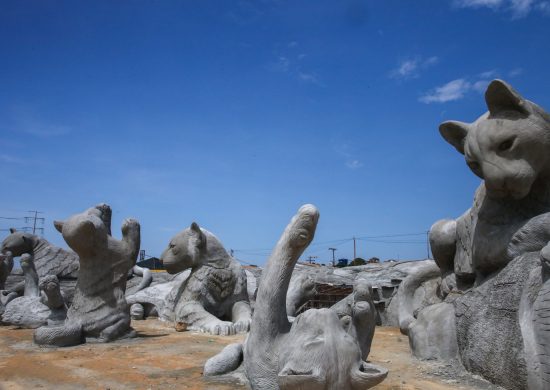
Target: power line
<point>320,247</point>
<point>31,222</point>
<point>34,219</point>
<point>393,235</point>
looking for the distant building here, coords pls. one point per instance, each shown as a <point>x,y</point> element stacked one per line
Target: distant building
<point>153,263</point>
<point>342,263</point>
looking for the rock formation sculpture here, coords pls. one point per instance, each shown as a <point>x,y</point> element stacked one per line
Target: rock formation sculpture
<point>493,259</point>
<point>99,310</point>
<point>214,297</point>
<point>317,350</point>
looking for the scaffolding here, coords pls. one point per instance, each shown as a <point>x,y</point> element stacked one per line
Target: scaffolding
<point>326,295</point>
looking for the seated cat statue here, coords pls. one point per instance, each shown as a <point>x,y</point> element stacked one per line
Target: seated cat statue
<point>318,350</point>
<point>213,299</point>
<point>495,313</point>
<point>99,310</point>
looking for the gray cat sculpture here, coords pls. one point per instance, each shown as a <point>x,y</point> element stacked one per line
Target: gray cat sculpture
<point>48,259</point>
<point>41,303</point>
<point>99,311</point>
<point>494,258</point>
<point>214,298</point>
<point>6,265</point>
<point>318,350</point>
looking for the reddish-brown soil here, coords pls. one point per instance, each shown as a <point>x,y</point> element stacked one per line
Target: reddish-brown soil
<point>162,358</point>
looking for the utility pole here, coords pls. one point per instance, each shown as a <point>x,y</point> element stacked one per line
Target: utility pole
<point>354,249</point>
<point>428,244</point>
<point>310,259</point>
<point>34,219</point>
<point>333,259</point>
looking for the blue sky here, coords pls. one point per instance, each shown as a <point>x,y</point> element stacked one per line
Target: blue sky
<point>234,113</point>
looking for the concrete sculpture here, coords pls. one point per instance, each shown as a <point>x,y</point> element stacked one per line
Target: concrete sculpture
<point>494,258</point>
<point>52,260</point>
<point>41,304</point>
<point>48,259</point>
<point>6,265</point>
<point>317,351</point>
<point>99,310</point>
<point>214,298</point>
<point>385,279</point>
<point>360,300</point>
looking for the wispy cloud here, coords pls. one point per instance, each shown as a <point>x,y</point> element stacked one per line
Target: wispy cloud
<point>11,159</point>
<point>309,78</point>
<point>458,88</point>
<point>478,3</point>
<point>544,7</point>
<point>291,62</point>
<point>24,120</point>
<point>354,164</point>
<point>281,64</point>
<point>411,68</point>
<point>488,74</point>
<point>517,8</point>
<point>453,90</point>
<point>515,72</point>
<point>46,131</point>
<point>351,160</point>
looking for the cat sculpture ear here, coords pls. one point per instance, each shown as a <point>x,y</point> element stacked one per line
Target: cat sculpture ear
<point>500,96</point>
<point>367,376</point>
<point>58,225</point>
<point>201,238</point>
<point>13,230</point>
<point>455,133</point>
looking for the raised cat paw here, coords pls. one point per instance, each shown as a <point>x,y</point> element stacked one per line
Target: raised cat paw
<point>128,225</point>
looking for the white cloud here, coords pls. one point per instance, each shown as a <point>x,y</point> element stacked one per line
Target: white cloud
<point>431,61</point>
<point>458,88</point>
<point>521,8</point>
<point>354,164</point>
<point>308,78</point>
<point>453,90</point>
<point>294,64</point>
<point>480,86</point>
<point>515,72</point>
<point>407,68</point>
<point>518,8</point>
<point>478,3</point>
<point>410,68</point>
<point>282,64</point>
<point>544,7</point>
<point>489,74</point>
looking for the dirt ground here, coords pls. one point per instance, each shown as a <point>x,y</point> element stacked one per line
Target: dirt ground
<point>162,358</point>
